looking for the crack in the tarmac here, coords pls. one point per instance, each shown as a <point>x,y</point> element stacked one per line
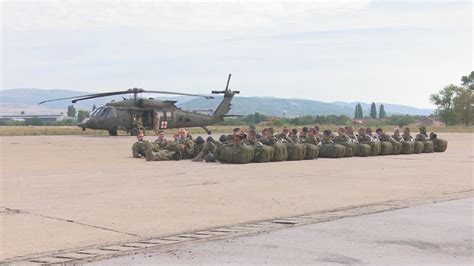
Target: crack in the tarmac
<point>72,221</point>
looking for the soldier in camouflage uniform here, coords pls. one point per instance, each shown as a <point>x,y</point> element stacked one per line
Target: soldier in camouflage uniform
<point>363,137</point>
<point>368,132</point>
<point>303,133</point>
<point>327,135</point>
<point>311,137</point>
<point>396,135</point>
<point>382,136</point>
<point>138,148</point>
<point>294,136</point>
<point>208,147</point>
<point>161,140</point>
<point>185,144</point>
<point>269,138</point>
<point>341,136</point>
<point>422,136</point>
<point>161,155</point>
<point>284,135</point>
<point>252,138</point>
<point>406,134</point>
<point>351,135</point>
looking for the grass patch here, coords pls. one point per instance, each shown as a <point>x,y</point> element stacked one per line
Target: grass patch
<point>74,130</point>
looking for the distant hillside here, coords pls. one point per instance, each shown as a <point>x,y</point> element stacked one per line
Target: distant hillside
<point>13,101</point>
<point>389,108</point>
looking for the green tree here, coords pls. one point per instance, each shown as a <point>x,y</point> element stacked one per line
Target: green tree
<point>373,111</point>
<point>71,111</point>
<point>33,122</point>
<point>463,105</point>
<point>401,120</point>
<point>382,114</point>
<point>81,114</point>
<point>359,113</point>
<point>444,101</point>
<point>468,81</point>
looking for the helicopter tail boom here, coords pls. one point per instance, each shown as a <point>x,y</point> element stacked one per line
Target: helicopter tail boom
<point>224,106</point>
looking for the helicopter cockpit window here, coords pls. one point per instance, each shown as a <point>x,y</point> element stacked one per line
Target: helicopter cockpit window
<point>96,111</point>
<point>105,112</point>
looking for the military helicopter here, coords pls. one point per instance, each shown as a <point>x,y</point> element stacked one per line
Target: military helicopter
<point>136,114</point>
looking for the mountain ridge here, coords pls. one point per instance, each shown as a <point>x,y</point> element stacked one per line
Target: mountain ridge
<point>13,101</point>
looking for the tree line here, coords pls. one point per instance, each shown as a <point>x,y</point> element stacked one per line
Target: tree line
<point>455,102</point>
<point>359,112</point>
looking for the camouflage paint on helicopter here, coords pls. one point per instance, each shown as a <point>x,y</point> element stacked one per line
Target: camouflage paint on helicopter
<point>133,115</point>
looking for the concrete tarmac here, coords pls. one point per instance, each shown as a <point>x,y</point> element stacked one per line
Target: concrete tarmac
<point>434,234</point>
<point>67,192</point>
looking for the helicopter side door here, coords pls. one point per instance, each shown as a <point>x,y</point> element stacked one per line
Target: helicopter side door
<point>163,119</point>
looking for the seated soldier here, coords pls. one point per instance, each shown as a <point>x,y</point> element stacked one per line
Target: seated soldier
<point>269,138</point>
<point>382,136</point>
<point>351,135</point>
<point>230,137</point>
<point>161,140</point>
<point>185,144</point>
<point>239,137</point>
<point>341,136</point>
<point>327,135</point>
<point>406,135</point>
<point>138,148</point>
<point>161,155</point>
<point>311,137</point>
<point>303,133</point>
<point>422,136</point>
<point>368,132</point>
<point>207,147</point>
<point>223,139</point>
<point>317,133</point>
<point>284,135</point>
<point>396,135</point>
<point>363,137</point>
<point>294,135</point>
<point>252,138</point>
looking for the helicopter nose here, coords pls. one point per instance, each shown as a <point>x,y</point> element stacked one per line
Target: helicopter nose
<point>83,124</point>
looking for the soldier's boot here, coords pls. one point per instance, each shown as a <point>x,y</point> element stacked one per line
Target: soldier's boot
<point>177,156</point>
<point>198,157</point>
<point>149,154</point>
<point>210,158</point>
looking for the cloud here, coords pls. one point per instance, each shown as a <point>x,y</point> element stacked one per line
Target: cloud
<point>186,16</point>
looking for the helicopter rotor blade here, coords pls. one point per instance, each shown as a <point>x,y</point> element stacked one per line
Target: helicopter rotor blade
<point>89,96</point>
<point>179,93</point>
<point>228,80</point>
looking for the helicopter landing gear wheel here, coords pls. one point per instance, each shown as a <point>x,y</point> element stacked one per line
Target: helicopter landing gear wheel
<point>113,132</point>
<point>135,131</point>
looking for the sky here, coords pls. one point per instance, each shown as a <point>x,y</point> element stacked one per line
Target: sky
<point>384,51</point>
